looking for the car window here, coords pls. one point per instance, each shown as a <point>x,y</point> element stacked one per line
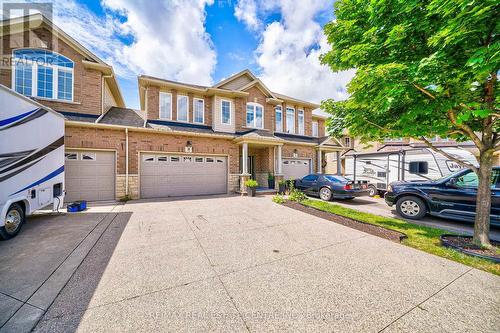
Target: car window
<point>468,180</point>
<point>495,179</point>
<point>336,179</point>
<point>310,178</point>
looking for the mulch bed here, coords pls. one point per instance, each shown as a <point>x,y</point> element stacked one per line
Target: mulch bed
<point>465,245</point>
<point>391,235</point>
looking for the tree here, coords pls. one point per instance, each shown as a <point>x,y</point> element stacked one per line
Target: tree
<point>423,68</point>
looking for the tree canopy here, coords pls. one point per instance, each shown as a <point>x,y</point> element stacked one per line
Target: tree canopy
<point>423,68</point>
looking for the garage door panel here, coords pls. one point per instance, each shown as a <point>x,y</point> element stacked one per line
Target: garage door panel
<point>92,179</point>
<point>296,168</point>
<point>182,177</point>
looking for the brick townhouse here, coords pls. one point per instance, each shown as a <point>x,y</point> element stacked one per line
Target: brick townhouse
<point>185,140</point>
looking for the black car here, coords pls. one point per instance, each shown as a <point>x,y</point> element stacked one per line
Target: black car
<point>452,197</point>
<point>331,186</point>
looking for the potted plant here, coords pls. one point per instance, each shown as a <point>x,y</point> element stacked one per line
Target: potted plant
<point>282,186</point>
<point>270,180</point>
<point>251,187</point>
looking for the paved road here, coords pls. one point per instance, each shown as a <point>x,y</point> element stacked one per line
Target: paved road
<point>240,264</point>
<point>379,207</point>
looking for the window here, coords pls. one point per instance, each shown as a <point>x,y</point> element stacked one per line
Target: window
<point>88,156</point>
<point>187,159</point>
<point>421,168</point>
<point>279,118</point>
<point>219,160</point>
<point>182,108</point>
<point>198,159</point>
<point>162,159</point>
<point>210,160</point>
<point>381,174</point>
<point>495,179</point>
<point>174,159</point>
<point>255,115</point>
<point>468,180</point>
<point>394,140</point>
<point>310,178</point>
<point>225,109</point>
<point>71,156</point>
<point>315,127</point>
<point>199,111</point>
<point>42,73</point>
<point>347,141</point>
<point>336,179</point>
<point>165,105</point>
<point>301,122</point>
<point>290,120</point>
<point>148,159</point>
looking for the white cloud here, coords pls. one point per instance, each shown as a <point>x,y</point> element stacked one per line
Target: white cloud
<point>164,38</point>
<point>289,50</point>
<point>246,11</point>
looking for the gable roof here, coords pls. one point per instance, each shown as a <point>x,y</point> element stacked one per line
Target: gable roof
<point>34,21</point>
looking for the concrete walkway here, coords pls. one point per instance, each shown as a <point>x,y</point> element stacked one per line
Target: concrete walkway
<point>246,264</point>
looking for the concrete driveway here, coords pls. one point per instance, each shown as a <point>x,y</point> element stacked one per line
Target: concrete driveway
<point>247,264</point>
<point>379,207</point>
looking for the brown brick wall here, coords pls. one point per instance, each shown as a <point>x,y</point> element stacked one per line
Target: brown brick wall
<point>321,127</point>
<point>93,138</point>
<point>153,103</point>
<point>87,83</point>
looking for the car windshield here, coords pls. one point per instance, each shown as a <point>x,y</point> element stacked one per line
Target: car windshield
<point>336,179</point>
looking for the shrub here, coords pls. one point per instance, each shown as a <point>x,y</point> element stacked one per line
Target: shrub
<point>279,199</point>
<point>251,183</point>
<point>296,195</point>
<point>270,176</point>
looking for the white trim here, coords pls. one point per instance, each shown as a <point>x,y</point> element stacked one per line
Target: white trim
<point>286,122</point>
<point>281,123</point>
<point>187,108</point>
<point>202,110</point>
<point>159,105</point>
<point>301,129</point>
<point>221,111</point>
<point>254,105</point>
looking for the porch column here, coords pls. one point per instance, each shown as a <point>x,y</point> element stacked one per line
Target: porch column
<point>320,162</point>
<point>280,162</point>
<point>339,164</point>
<point>245,158</point>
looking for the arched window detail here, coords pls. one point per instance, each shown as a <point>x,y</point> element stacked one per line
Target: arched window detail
<point>42,73</point>
<point>255,115</point>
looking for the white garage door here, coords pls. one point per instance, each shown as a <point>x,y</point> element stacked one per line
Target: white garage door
<point>89,175</point>
<point>296,168</point>
<point>167,175</point>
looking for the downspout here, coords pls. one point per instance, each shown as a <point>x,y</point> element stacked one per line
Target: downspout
<point>126,161</point>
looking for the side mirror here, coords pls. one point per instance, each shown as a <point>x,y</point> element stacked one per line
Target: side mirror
<point>452,183</point>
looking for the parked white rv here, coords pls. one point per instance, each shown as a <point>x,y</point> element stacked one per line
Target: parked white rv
<point>31,160</point>
<point>411,164</point>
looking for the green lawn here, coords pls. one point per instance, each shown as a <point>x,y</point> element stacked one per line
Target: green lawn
<point>419,237</point>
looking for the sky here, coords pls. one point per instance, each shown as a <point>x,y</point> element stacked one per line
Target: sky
<point>205,41</point>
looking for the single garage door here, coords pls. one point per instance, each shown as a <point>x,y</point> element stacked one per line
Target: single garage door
<point>89,175</point>
<point>296,168</point>
<point>167,175</point>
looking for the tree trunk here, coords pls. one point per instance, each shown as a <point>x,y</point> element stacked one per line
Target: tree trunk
<point>483,200</point>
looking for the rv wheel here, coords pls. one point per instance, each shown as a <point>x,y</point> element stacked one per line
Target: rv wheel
<point>372,191</point>
<point>14,220</point>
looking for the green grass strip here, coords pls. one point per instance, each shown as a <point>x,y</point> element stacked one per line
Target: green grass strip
<point>419,237</point>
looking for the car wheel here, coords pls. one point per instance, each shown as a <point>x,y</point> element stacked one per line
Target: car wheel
<point>14,221</point>
<point>372,191</point>
<point>411,208</point>
<point>325,194</point>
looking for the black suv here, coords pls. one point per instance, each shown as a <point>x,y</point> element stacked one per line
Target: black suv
<point>453,197</point>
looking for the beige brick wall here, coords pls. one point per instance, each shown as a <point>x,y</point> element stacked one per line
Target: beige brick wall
<point>87,83</point>
<point>133,186</point>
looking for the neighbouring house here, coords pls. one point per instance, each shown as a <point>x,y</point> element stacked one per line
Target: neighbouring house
<point>185,140</point>
<point>354,145</point>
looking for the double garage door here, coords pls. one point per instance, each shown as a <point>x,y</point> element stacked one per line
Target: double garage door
<point>89,175</point>
<point>165,175</point>
<point>294,168</point>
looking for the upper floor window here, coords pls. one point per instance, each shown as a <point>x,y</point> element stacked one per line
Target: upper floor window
<point>301,122</point>
<point>198,111</point>
<point>255,115</point>
<point>225,109</point>
<point>279,118</point>
<point>42,73</point>
<point>347,141</point>
<point>165,105</point>
<point>182,108</point>
<point>290,120</point>
<point>315,128</point>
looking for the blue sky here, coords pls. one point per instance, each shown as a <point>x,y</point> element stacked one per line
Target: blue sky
<point>205,41</point>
